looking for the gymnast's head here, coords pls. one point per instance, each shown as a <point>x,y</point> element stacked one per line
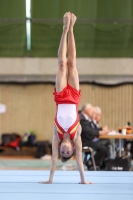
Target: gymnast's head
<point>66,149</point>
<point>68,146</point>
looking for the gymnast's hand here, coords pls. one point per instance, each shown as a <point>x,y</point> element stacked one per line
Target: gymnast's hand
<point>84,182</point>
<point>46,182</point>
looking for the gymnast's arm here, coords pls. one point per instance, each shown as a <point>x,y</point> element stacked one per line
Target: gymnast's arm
<point>78,147</point>
<point>55,146</point>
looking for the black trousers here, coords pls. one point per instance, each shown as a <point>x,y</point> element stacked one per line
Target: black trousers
<point>101,149</point>
<point>126,142</point>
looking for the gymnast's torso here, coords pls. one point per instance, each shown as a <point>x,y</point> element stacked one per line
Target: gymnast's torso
<point>66,115</point>
<point>67,119</point>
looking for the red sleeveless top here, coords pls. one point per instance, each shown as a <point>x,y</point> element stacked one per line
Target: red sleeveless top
<point>68,95</point>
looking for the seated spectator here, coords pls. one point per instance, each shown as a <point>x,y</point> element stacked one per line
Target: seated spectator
<point>89,135</point>
<point>108,143</point>
<point>97,117</point>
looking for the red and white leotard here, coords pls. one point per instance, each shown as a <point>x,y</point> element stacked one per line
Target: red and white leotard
<point>67,119</point>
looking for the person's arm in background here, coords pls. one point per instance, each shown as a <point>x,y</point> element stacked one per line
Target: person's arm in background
<point>89,132</point>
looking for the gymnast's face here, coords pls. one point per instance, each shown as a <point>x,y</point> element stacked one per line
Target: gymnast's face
<point>66,149</point>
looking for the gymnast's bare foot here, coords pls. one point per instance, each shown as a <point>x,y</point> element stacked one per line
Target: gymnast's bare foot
<point>66,20</point>
<point>72,21</point>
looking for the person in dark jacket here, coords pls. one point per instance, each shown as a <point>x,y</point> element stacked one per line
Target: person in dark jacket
<point>107,142</point>
<point>90,134</point>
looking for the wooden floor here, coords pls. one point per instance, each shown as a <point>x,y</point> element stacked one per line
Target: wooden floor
<point>23,185</point>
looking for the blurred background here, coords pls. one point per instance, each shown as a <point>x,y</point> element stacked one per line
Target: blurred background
<point>30,32</point>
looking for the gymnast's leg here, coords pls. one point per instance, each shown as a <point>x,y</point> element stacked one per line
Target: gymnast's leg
<point>73,78</point>
<point>61,77</point>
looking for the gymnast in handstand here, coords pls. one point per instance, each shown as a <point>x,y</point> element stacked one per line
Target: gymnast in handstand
<point>67,129</point>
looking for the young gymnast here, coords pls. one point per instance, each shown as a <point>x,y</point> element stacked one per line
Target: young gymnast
<point>67,129</point>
